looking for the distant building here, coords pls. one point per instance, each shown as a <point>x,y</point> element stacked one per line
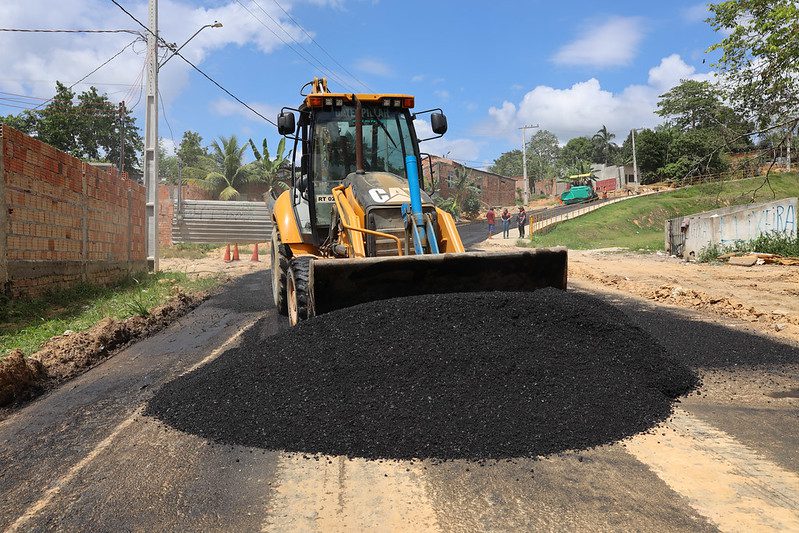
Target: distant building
<point>495,190</point>
<point>612,178</point>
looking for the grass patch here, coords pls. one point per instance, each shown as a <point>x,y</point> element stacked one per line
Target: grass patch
<point>188,250</point>
<point>27,323</point>
<point>764,244</point>
<point>638,223</point>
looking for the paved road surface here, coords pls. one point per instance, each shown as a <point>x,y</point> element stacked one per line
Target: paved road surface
<point>84,458</point>
<point>476,232</point>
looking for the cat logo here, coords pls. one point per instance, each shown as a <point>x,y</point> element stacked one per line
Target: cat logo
<point>394,194</point>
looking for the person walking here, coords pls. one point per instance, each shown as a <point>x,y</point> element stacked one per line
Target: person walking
<point>505,223</point>
<point>522,220</point>
<point>491,218</point>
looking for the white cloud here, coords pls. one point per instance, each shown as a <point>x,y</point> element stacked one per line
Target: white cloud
<point>609,44</point>
<point>40,59</point>
<point>585,106</point>
<point>671,71</point>
<point>226,107</point>
<point>373,66</point>
<point>418,78</point>
<point>695,13</point>
<point>442,94</point>
<point>465,149</point>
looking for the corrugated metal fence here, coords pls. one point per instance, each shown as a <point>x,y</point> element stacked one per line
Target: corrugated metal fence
<point>215,221</point>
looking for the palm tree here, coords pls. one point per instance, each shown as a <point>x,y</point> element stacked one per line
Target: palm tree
<point>228,171</point>
<point>266,170</point>
<point>604,140</point>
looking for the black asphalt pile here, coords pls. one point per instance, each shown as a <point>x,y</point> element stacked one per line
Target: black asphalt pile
<point>475,376</point>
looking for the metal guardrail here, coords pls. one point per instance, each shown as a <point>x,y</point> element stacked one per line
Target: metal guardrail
<point>212,221</point>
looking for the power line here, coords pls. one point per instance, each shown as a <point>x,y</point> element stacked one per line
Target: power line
<point>192,65</point>
<point>32,30</point>
<point>318,64</point>
<point>104,63</point>
<point>163,110</point>
<point>350,74</point>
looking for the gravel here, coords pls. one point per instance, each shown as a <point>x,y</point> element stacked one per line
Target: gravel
<point>472,376</point>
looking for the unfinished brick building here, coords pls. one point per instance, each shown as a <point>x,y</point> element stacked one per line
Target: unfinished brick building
<point>495,190</point>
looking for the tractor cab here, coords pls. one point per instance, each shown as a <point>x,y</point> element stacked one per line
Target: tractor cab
<point>327,139</point>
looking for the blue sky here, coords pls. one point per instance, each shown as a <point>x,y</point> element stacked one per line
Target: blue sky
<point>569,66</point>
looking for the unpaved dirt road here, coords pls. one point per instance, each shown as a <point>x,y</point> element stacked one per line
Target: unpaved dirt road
<point>83,457</point>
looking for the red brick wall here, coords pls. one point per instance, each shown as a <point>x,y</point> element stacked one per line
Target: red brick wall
<point>64,221</point>
<point>495,190</point>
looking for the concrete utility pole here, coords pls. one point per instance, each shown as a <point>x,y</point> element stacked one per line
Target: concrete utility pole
<point>525,182</point>
<point>151,141</point>
<point>121,136</point>
<point>635,160</point>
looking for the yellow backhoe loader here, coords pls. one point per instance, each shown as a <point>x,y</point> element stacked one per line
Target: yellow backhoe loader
<point>356,224</point>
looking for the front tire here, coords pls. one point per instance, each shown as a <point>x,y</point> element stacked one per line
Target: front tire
<point>280,266</point>
<point>300,304</point>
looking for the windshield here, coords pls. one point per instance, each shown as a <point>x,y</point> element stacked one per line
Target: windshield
<point>386,142</point>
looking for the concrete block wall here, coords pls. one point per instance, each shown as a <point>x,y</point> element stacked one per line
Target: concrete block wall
<point>63,221</point>
<point>687,236</point>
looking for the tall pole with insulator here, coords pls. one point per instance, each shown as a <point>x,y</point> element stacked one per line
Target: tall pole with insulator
<point>151,140</point>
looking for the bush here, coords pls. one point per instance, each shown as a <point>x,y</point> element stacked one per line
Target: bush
<point>773,243</point>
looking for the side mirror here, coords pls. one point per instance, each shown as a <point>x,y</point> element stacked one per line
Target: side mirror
<point>285,123</point>
<point>302,184</point>
<point>439,123</point>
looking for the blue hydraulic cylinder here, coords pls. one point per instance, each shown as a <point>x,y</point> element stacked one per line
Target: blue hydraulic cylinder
<point>412,171</point>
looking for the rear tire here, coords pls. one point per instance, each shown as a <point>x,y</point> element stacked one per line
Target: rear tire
<point>300,304</point>
<point>280,266</point>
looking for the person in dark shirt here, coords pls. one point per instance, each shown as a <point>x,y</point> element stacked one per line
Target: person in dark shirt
<point>491,218</point>
<point>522,220</point>
<point>505,223</point>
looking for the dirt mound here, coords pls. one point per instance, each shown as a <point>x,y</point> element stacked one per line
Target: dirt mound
<point>478,375</point>
<point>65,356</point>
<point>18,376</point>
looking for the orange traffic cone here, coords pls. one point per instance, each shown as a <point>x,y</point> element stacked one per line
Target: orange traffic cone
<point>254,256</point>
<point>236,251</point>
<point>227,254</point>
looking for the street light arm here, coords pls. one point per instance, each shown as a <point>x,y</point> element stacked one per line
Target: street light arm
<point>174,53</point>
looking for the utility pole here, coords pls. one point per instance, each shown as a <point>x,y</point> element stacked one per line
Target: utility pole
<point>525,182</point>
<point>121,137</point>
<point>151,140</point>
<point>790,142</point>
<point>635,159</point>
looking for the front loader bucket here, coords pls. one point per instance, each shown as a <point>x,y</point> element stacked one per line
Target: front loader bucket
<point>340,283</point>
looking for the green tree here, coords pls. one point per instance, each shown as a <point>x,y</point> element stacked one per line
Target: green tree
<point>652,151</point>
<point>759,56</point>
<point>464,189</point>
<point>87,125</point>
<point>267,170</point>
<point>191,151</point>
<point>228,172</point>
<point>24,122</point>
<point>167,164</point>
<point>576,152</point>
<point>691,104</point>
<point>694,152</point>
<point>543,152</point>
<point>603,141</point>
<point>508,164</point>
